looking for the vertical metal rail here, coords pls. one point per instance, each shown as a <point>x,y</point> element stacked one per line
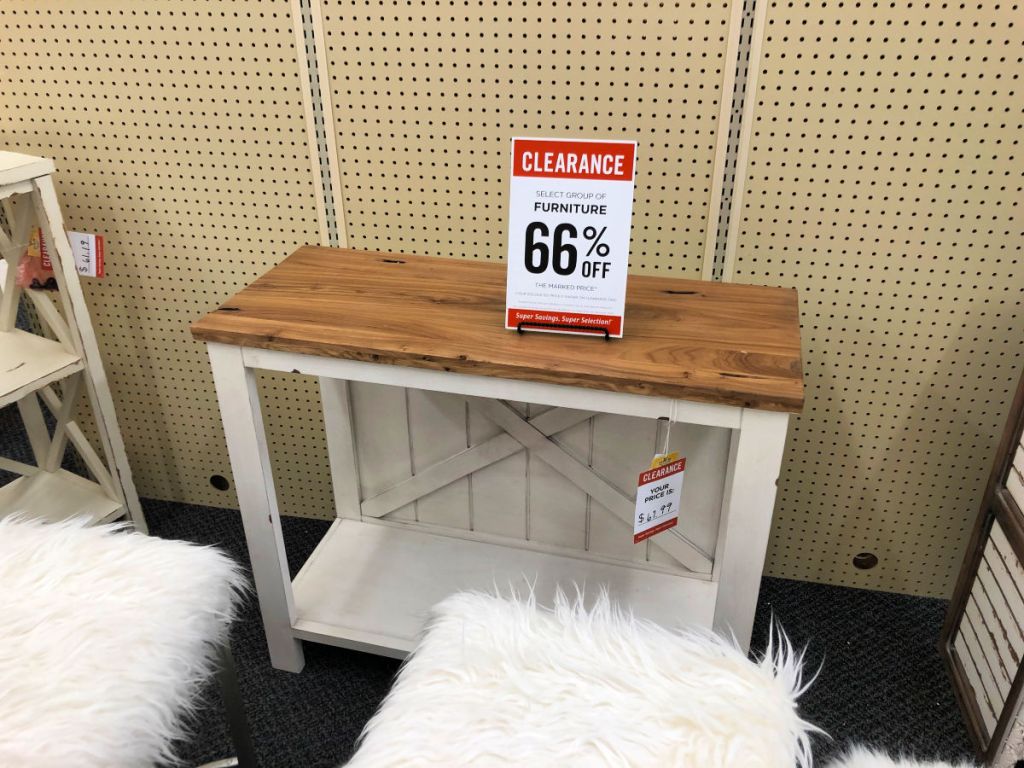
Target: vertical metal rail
<point>319,120</point>
<point>739,95</point>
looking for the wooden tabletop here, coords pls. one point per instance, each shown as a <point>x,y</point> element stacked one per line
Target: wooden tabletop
<point>687,339</point>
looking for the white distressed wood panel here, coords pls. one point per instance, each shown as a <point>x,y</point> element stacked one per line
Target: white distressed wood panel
<point>1006,606</point>
<point>498,492</point>
<point>382,440</point>
<point>1015,480</point>
<point>341,446</point>
<point>988,628</point>
<point>989,687</point>
<point>984,652</point>
<point>557,508</point>
<point>438,430</point>
<point>990,639</point>
<point>623,448</point>
<point>656,553</point>
<point>970,665</point>
<point>457,467</point>
<point>1010,590</point>
<point>400,434</point>
<point>528,433</point>
<point>707,454</point>
<point>1001,546</point>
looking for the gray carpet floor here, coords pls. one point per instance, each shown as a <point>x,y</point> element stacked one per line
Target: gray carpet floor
<point>881,679</point>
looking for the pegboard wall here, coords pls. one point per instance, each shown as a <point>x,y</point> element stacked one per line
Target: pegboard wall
<point>426,97</point>
<point>178,132</point>
<point>879,172</point>
<point>884,182</point>
<point>183,131</point>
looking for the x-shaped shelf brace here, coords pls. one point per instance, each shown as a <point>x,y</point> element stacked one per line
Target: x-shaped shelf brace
<point>49,450</point>
<point>535,434</point>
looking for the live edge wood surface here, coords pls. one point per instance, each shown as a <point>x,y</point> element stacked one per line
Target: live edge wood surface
<point>686,339</point>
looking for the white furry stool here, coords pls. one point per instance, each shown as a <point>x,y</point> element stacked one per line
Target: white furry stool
<point>105,637</point>
<point>500,682</point>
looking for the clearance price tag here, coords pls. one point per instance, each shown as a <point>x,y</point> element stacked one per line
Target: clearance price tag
<point>658,492</point>
<point>570,208</point>
<point>37,249</point>
<point>88,250</point>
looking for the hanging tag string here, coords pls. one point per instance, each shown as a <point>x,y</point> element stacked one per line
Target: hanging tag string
<point>668,427</point>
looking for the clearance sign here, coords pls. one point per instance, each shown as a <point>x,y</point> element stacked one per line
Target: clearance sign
<point>570,208</point>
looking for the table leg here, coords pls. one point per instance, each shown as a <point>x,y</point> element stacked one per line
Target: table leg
<point>755,457</point>
<point>257,500</point>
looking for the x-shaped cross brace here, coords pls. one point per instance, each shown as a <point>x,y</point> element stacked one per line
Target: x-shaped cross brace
<point>535,434</point>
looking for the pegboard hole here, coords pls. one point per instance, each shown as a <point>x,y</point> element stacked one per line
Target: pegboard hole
<point>865,561</point>
<point>219,482</point>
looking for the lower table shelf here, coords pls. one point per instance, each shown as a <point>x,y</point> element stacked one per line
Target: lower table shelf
<point>370,587</point>
<point>57,496</point>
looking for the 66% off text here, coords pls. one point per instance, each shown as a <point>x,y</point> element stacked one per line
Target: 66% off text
<point>558,248</point>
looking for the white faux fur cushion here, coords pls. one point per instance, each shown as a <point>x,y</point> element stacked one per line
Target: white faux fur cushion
<point>104,638</point>
<point>499,682</point>
<point>861,757</point>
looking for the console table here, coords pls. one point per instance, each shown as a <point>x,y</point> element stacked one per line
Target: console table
<point>720,355</point>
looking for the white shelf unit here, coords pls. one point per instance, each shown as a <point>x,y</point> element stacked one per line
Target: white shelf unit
<point>37,370</point>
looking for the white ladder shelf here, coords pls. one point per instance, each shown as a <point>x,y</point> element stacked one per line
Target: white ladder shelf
<point>31,367</point>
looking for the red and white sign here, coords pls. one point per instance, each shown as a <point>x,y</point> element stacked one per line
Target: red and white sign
<point>37,249</point>
<point>658,492</point>
<point>570,209</point>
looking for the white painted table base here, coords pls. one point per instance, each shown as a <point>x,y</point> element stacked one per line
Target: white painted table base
<point>329,604</point>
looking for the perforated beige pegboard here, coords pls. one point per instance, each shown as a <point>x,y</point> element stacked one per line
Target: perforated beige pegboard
<point>884,182</point>
<point>179,133</point>
<point>427,96</point>
<point>885,178</point>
